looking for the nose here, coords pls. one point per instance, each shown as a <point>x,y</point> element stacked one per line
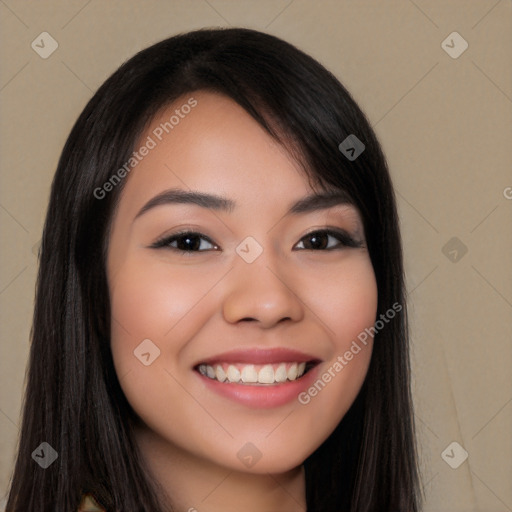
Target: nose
<point>260,292</point>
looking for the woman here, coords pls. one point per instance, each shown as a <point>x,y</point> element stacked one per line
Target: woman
<point>220,320</point>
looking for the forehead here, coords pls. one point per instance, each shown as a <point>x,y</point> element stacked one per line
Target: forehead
<point>214,146</point>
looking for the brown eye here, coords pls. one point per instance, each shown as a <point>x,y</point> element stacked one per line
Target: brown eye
<point>186,241</point>
<point>322,240</point>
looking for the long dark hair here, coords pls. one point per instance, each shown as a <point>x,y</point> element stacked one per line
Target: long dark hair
<point>73,398</point>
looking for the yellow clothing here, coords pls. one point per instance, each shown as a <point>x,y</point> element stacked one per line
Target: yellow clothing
<point>89,504</point>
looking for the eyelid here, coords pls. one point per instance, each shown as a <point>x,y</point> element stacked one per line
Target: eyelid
<point>344,237</point>
<point>165,240</point>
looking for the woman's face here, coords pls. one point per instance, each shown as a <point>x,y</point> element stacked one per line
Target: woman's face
<point>253,295</point>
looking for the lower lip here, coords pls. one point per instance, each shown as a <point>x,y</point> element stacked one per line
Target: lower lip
<point>262,397</point>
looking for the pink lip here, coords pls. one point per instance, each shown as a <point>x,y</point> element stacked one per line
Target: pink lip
<point>262,397</point>
<point>260,356</point>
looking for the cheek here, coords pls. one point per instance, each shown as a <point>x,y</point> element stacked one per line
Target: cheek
<point>347,307</point>
<point>148,297</point>
<point>150,300</point>
<point>345,301</point>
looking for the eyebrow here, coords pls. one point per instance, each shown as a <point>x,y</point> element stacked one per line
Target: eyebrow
<point>311,203</point>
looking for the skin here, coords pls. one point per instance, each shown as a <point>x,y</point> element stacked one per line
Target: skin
<point>197,305</point>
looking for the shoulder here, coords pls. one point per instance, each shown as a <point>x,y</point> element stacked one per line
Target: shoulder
<point>88,504</point>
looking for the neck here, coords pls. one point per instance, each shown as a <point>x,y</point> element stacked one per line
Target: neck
<point>195,484</point>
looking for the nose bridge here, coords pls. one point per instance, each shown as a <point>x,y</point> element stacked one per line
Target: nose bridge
<point>260,289</point>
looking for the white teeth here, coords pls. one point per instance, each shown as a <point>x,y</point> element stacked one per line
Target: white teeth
<point>292,372</point>
<point>253,374</point>
<point>210,371</point>
<point>233,373</point>
<point>280,374</point>
<point>249,374</point>
<point>266,375</point>
<point>220,374</point>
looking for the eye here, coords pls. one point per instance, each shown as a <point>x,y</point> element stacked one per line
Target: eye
<point>319,240</point>
<point>184,241</point>
<point>191,241</point>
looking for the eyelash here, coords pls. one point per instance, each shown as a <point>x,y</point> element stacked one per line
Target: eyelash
<point>344,238</point>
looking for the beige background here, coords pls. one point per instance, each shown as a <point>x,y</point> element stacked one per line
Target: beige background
<point>445,125</point>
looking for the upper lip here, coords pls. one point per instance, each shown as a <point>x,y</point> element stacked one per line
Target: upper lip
<point>260,356</point>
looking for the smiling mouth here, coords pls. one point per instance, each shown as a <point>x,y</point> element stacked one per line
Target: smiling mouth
<point>256,374</point>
